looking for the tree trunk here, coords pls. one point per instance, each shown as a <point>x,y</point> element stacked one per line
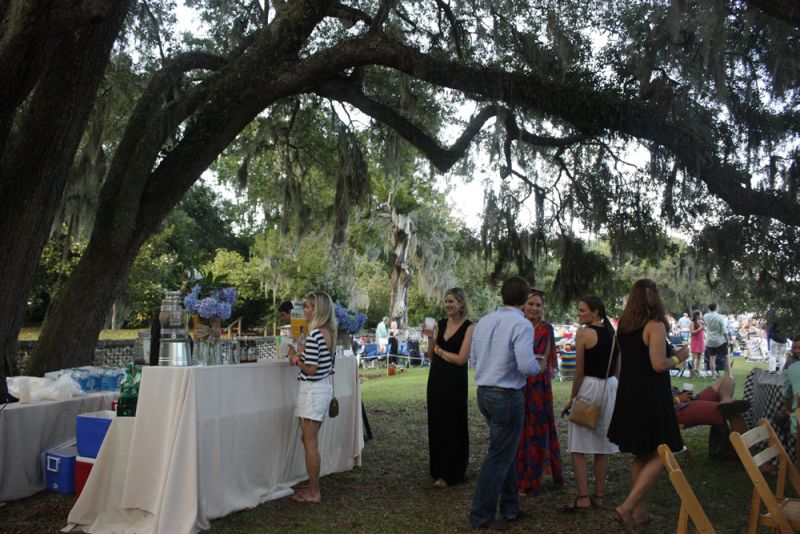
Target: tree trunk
<point>35,157</point>
<point>136,196</point>
<point>79,312</point>
<point>401,271</point>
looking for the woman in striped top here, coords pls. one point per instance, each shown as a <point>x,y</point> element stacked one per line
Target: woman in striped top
<point>316,384</point>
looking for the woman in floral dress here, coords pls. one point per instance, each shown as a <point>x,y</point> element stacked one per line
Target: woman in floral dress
<point>538,445</point>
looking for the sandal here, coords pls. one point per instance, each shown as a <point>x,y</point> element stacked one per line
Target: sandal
<point>598,502</point>
<point>573,506</point>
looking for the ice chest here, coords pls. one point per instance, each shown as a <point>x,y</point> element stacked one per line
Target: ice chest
<point>59,468</point>
<point>83,466</point>
<point>91,428</point>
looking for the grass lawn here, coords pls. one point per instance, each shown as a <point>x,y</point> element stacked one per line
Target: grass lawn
<point>392,491</point>
<point>31,333</point>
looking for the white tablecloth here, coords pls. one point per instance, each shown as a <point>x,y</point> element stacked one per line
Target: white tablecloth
<point>207,441</point>
<point>29,430</point>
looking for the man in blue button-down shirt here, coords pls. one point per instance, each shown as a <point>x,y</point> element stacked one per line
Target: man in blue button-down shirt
<point>502,354</point>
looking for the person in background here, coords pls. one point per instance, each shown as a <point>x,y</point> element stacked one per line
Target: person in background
<point>596,368</point>
<point>697,344</point>
<point>712,406</point>
<point>716,341</point>
<point>502,354</point>
<point>791,387</point>
<point>285,312</point>
<point>685,326</point>
<point>315,360</point>
<point>448,349</point>
<point>382,335</point>
<point>776,341</point>
<point>644,416</point>
<point>539,449</point>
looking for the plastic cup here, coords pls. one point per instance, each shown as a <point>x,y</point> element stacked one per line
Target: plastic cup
<point>24,390</point>
<point>430,323</point>
<point>688,387</point>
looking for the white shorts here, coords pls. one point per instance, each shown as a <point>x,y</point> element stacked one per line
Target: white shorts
<point>313,399</point>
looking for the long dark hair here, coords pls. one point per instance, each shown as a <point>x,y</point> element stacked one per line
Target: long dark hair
<point>596,305</point>
<point>696,319</point>
<point>644,304</point>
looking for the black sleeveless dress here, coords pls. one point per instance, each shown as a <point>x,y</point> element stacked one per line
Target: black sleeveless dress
<point>644,416</point>
<point>448,435</point>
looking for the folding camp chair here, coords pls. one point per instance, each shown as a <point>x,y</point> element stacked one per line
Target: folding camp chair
<point>690,506</point>
<point>567,360</point>
<point>782,513</point>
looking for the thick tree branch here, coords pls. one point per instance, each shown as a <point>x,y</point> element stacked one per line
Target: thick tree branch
<point>442,158</point>
<point>588,108</point>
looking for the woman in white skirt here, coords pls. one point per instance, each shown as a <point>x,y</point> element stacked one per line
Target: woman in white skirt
<point>594,379</point>
<point>315,361</point>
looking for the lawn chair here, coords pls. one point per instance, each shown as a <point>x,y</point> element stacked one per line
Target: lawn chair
<point>567,360</point>
<point>782,513</point>
<point>690,506</point>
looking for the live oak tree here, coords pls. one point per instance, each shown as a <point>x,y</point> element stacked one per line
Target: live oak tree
<point>708,87</point>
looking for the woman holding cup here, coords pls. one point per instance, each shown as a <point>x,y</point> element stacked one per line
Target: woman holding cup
<point>539,449</point>
<point>449,343</point>
<point>644,412</point>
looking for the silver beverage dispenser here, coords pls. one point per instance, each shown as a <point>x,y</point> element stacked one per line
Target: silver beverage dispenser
<point>175,347</point>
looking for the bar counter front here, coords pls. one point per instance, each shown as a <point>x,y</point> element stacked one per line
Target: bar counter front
<point>208,441</point>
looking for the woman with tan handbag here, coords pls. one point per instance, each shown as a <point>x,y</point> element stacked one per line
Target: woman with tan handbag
<point>594,387</point>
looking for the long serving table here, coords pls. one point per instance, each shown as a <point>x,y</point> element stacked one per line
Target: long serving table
<point>208,441</point>
<point>763,389</point>
<point>29,430</point>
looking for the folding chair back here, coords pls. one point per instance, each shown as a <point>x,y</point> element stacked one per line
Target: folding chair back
<point>782,513</point>
<point>690,506</point>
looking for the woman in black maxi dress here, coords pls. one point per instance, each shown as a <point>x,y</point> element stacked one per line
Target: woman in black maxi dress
<point>448,434</point>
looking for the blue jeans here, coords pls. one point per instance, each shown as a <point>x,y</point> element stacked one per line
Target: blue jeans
<point>504,412</point>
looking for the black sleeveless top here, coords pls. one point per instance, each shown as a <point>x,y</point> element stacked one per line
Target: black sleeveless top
<point>595,359</point>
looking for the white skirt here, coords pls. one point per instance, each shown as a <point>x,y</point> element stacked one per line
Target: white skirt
<point>588,441</point>
<point>313,399</point>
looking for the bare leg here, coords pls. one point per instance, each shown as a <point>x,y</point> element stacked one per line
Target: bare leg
<point>581,479</point>
<point>310,432</point>
<point>724,388</point>
<point>600,469</point>
<point>649,469</point>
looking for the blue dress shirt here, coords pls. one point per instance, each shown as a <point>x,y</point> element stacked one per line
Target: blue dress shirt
<point>502,349</point>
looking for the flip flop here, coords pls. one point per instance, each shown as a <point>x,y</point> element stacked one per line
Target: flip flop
<point>617,517</point>
<point>651,518</point>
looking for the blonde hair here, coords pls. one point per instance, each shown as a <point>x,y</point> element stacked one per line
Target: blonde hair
<point>461,296</point>
<point>324,314</point>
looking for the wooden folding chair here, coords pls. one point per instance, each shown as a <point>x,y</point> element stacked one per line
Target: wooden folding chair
<point>690,506</point>
<point>782,513</point>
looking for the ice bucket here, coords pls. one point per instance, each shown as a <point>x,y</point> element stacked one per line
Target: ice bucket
<point>175,352</point>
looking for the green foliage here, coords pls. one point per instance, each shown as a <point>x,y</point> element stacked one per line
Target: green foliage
<point>232,269</point>
<point>59,257</point>
<point>156,269</point>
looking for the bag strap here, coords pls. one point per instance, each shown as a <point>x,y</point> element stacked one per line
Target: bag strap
<point>608,369</point>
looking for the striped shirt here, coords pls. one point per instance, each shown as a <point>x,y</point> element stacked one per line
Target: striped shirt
<point>317,353</point>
